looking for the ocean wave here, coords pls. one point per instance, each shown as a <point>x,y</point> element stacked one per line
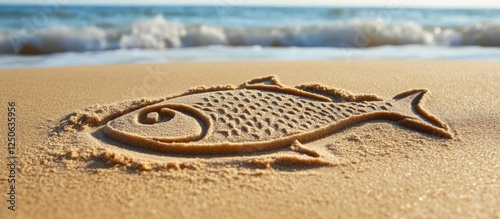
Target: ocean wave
<point>158,33</point>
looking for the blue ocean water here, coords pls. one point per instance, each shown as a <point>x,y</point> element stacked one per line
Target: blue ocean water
<point>59,35</point>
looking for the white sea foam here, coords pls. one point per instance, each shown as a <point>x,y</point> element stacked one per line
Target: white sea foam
<point>158,33</point>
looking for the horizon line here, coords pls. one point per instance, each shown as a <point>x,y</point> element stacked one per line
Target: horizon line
<point>259,5</point>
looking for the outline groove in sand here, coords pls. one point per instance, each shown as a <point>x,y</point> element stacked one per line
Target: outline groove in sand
<point>262,114</point>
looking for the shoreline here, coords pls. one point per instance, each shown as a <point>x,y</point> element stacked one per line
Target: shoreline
<point>252,54</point>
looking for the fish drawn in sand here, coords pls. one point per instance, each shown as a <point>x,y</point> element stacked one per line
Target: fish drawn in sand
<point>262,114</point>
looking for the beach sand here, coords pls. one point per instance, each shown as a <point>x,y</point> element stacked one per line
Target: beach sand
<point>68,167</point>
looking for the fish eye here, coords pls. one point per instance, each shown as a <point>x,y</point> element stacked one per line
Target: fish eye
<point>156,115</point>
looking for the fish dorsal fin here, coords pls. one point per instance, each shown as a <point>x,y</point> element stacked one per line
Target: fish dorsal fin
<point>272,83</point>
<point>337,95</point>
<point>270,80</point>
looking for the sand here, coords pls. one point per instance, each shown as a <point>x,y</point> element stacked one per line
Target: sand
<point>68,165</point>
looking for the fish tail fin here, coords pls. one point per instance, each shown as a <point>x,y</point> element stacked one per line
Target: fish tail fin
<point>409,104</point>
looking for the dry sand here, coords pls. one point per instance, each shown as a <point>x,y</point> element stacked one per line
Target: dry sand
<point>69,167</point>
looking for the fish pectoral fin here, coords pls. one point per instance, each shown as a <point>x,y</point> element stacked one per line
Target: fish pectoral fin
<point>300,148</point>
<point>290,161</point>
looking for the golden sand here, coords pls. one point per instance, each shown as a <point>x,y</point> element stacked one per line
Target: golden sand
<point>122,140</point>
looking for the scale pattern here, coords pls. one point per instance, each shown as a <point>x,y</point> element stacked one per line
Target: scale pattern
<point>256,115</point>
